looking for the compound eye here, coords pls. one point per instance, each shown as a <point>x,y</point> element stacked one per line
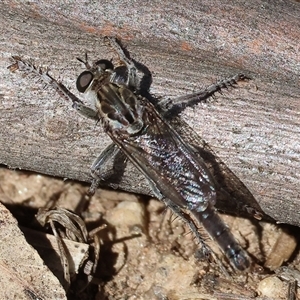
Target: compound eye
<point>105,64</point>
<point>84,80</point>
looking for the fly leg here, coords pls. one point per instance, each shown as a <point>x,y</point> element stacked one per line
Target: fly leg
<point>43,75</point>
<point>206,251</point>
<point>177,210</point>
<point>170,107</point>
<point>132,78</point>
<point>109,163</point>
<point>77,103</point>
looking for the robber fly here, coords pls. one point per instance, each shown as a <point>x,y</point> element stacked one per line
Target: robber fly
<point>176,174</point>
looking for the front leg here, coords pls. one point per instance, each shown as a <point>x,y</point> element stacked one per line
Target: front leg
<point>43,75</point>
<point>77,103</point>
<point>171,107</point>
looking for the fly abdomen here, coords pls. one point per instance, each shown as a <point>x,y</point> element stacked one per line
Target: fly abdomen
<point>218,231</point>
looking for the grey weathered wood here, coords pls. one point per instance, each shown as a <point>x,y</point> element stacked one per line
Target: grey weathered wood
<point>254,129</point>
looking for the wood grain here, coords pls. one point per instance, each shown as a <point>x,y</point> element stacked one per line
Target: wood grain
<point>254,129</point>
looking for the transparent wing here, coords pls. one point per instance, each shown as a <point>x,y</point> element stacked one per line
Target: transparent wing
<point>232,194</point>
<point>170,165</point>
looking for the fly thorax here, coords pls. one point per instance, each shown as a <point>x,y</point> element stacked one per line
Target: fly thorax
<point>106,89</point>
<point>119,109</point>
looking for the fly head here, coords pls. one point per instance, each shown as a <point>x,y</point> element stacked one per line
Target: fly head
<point>117,105</point>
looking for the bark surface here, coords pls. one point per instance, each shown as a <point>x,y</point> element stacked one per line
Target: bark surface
<point>255,129</point>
